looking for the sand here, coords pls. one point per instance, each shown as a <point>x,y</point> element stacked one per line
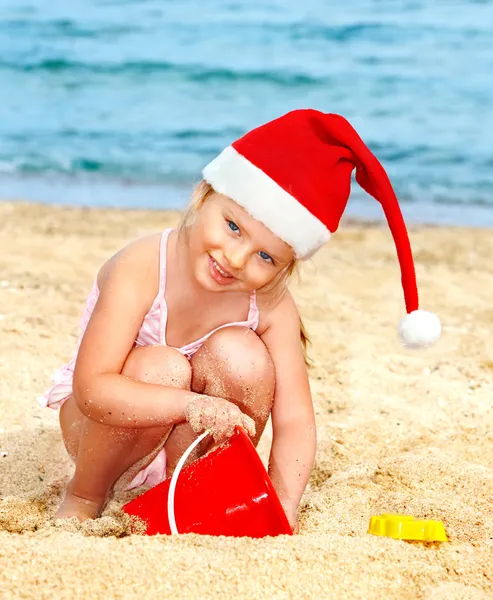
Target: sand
<point>399,431</point>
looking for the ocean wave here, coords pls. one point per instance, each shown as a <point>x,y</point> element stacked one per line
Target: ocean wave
<point>378,32</point>
<point>88,167</point>
<point>385,31</point>
<point>192,72</point>
<point>122,138</point>
<point>133,171</point>
<point>64,28</point>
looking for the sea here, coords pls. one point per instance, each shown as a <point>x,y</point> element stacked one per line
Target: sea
<point>121,103</point>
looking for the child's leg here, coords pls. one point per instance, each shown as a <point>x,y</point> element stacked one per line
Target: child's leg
<point>233,364</point>
<point>102,453</point>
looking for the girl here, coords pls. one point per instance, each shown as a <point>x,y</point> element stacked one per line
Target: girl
<point>140,389</point>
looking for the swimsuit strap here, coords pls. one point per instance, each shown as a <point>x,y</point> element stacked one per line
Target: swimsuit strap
<point>162,261</point>
<point>163,307</point>
<point>253,312</point>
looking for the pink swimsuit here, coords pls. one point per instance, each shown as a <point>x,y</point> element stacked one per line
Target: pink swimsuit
<point>152,333</point>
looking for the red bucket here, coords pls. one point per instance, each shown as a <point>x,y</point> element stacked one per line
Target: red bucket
<point>226,492</point>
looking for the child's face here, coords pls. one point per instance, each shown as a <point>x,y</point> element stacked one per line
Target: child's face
<point>224,237</point>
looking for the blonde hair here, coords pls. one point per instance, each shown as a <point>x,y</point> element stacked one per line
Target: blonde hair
<point>272,292</point>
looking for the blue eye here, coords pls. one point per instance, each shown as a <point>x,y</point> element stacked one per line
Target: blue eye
<point>233,226</point>
<point>265,256</point>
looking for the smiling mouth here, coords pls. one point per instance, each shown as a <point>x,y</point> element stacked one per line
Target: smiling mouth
<point>220,271</point>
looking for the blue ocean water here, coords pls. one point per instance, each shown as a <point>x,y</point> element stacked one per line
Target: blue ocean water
<point>122,102</point>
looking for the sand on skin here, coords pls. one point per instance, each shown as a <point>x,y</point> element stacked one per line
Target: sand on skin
<point>399,431</point>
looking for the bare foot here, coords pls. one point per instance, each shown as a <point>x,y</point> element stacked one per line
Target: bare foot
<point>75,506</point>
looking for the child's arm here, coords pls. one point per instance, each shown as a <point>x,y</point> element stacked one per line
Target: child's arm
<point>293,421</point>
<point>128,285</point>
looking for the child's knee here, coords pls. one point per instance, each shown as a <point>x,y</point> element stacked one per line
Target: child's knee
<point>158,364</point>
<point>242,359</point>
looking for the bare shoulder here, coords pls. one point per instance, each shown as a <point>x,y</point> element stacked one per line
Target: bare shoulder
<point>283,314</point>
<point>138,260</point>
<point>128,283</point>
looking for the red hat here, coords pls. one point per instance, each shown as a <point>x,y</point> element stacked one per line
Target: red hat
<point>294,175</point>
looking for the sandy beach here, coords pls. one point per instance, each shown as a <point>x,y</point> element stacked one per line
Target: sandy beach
<point>398,430</point>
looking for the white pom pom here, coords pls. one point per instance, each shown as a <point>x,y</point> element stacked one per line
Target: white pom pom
<point>420,329</point>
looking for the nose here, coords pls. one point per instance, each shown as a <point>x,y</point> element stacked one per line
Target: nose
<point>236,256</point>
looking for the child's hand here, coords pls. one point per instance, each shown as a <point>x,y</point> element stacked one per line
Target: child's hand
<point>218,416</point>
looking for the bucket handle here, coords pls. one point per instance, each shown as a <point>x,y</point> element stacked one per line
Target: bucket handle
<point>174,479</point>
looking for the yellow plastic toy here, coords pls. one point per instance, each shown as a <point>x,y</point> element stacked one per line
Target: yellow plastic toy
<point>406,527</point>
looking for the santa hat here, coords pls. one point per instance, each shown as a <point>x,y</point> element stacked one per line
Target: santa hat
<point>294,175</point>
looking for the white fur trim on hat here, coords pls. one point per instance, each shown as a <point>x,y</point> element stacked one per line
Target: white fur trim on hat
<point>235,176</point>
<point>420,329</point>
